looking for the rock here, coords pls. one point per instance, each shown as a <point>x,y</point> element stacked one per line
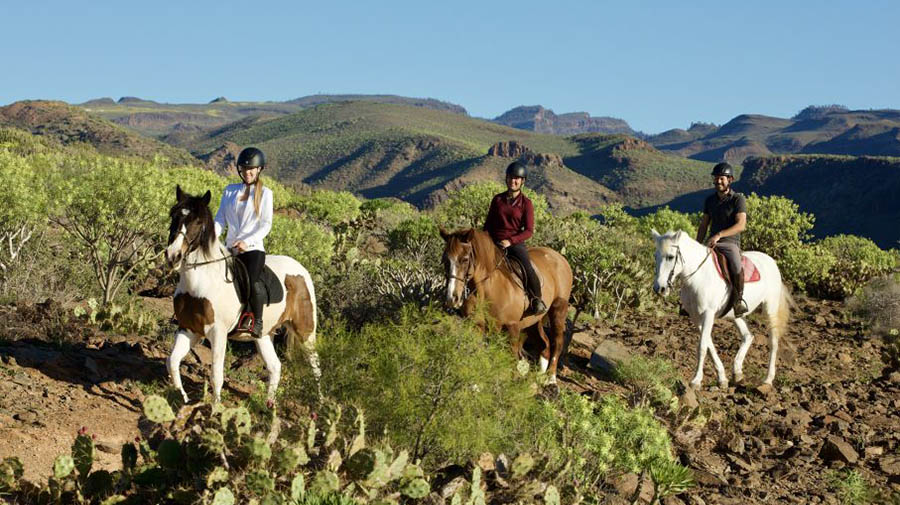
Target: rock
<point>890,465</point>
<point>874,451</point>
<point>452,487</point>
<point>607,355</point>
<point>765,389</point>
<point>203,353</point>
<point>706,478</point>
<point>108,447</point>
<point>509,149</point>
<point>626,485</point>
<point>26,417</point>
<point>502,465</point>
<point>486,462</point>
<point>837,449</point>
<point>688,398</point>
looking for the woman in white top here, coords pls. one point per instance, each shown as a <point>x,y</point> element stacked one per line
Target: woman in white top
<point>246,210</point>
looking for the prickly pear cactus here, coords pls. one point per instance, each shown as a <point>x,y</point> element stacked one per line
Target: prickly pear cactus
<point>218,474</point>
<point>260,482</point>
<point>63,466</point>
<point>398,465</point>
<point>239,418</point>
<point>113,500</point>
<point>416,489</point>
<point>326,482</point>
<point>290,458</point>
<point>11,471</point>
<point>169,453</point>
<point>259,451</point>
<point>522,465</point>
<point>129,457</point>
<point>551,495</point>
<point>311,437</point>
<point>223,496</point>
<point>157,409</point>
<point>298,488</point>
<point>83,454</point>
<point>477,495</point>
<point>361,464</point>
<point>212,440</point>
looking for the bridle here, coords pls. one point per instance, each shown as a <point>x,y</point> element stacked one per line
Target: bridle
<point>471,259</point>
<point>679,256</point>
<point>192,245</point>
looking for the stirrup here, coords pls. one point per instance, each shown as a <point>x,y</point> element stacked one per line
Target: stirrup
<point>245,323</point>
<point>740,308</point>
<point>537,306</point>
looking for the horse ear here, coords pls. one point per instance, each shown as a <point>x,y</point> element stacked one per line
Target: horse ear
<point>654,233</point>
<point>179,194</point>
<point>470,235</point>
<point>206,197</point>
<point>444,234</point>
<point>679,234</point>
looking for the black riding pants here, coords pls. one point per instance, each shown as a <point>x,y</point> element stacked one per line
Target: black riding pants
<point>521,252</point>
<point>254,261</point>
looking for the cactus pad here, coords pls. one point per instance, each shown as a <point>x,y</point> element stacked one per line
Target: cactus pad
<point>129,456</point>
<point>416,489</point>
<point>258,450</point>
<point>63,466</point>
<point>223,496</point>
<point>298,488</point>
<point>157,409</point>
<point>218,474</point>
<point>522,465</point>
<point>83,454</point>
<point>551,495</point>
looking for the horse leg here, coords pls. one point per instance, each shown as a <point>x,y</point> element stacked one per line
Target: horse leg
<point>514,341</point>
<point>273,364</point>
<point>218,340</point>
<point>546,353</point>
<point>742,352</point>
<point>559,311</point>
<point>774,336</point>
<point>706,324</point>
<point>184,340</point>
<point>720,368</point>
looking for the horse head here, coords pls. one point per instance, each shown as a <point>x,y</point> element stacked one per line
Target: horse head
<point>459,265</point>
<point>191,226</point>
<point>669,262</point>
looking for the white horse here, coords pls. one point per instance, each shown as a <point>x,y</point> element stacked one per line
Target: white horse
<point>704,294</point>
<point>206,304</point>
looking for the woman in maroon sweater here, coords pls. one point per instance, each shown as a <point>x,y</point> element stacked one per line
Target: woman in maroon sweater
<point>510,222</point>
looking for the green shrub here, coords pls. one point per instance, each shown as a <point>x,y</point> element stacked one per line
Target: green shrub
<point>666,219</point>
<point>775,225</point>
<point>417,238</point>
<point>329,207</point>
<point>24,205</point>
<point>857,260</point>
<point>306,242</point>
<point>650,380</point>
<point>468,206</point>
<point>431,382</point>
<point>878,306</point>
<point>851,487</point>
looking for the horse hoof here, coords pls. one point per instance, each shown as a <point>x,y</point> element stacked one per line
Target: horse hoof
<point>723,385</point>
<point>550,391</point>
<point>765,389</point>
<point>738,378</point>
<point>694,385</point>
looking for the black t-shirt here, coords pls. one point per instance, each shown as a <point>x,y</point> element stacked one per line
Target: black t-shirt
<point>723,213</point>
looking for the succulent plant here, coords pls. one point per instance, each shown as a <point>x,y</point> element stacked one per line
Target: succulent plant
<point>551,495</point>
<point>218,474</point>
<point>212,440</point>
<point>83,454</point>
<point>169,453</point>
<point>259,451</point>
<point>237,417</point>
<point>325,482</point>
<point>260,482</point>
<point>157,409</point>
<point>416,488</point>
<point>298,487</point>
<point>63,466</point>
<point>290,458</point>
<point>522,465</point>
<point>129,456</point>
<point>223,496</point>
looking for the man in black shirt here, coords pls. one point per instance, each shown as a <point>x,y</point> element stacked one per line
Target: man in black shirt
<point>725,213</point>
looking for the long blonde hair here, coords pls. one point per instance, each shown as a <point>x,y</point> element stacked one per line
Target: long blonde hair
<point>257,193</point>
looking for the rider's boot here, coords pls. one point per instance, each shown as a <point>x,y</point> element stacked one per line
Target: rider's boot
<point>257,300</point>
<point>738,303</point>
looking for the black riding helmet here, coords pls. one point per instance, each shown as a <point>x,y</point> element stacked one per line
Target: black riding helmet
<point>251,157</point>
<point>517,169</point>
<point>723,169</point>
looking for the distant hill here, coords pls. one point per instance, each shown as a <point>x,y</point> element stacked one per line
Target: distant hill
<point>418,154</point>
<point>68,124</point>
<point>163,119</point>
<point>538,119</point>
<point>847,194</point>
<point>815,130</point>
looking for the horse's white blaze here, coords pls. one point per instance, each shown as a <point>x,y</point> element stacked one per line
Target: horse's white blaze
<point>175,247</point>
<point>451,283</point>
<point>703,294</point>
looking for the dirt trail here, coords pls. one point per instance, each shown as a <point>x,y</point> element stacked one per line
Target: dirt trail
<point>832,407</point>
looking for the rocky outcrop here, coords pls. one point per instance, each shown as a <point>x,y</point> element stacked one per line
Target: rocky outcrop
<point>538,119</point>
<point>508,149</point>
<point>222,160</point>
<point>220,99</point>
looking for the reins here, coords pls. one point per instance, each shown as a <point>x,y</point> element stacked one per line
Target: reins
<point>465,281</point>
<point>681,257</point>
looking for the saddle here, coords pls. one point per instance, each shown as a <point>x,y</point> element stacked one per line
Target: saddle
<point>751,274</point>
<point>518,271</point>
<point>274,289</point>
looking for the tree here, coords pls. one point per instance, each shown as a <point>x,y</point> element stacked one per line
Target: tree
<point>23,205</point>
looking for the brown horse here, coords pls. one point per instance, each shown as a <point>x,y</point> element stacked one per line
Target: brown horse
<point>476,270</point>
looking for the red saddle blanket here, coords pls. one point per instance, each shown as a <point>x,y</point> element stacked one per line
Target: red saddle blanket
<point>751,274</point>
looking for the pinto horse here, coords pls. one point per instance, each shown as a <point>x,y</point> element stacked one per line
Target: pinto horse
<point>704,294</point>
<point>475,269</point>
<point>206,304</point>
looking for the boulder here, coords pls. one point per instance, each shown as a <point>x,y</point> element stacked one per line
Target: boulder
<point>608,355</point>
<point>509,149</point>
<point>837,449</point>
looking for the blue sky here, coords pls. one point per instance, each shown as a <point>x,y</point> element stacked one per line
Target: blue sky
<point>658,65</point>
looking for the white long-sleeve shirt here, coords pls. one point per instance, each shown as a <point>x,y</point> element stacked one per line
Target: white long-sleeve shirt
<point>241,220</point>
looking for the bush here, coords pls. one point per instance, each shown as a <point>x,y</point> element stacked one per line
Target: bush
<point>856,261</point>
<point>431,382</point>
<point>775,225</point>
<point>468,206</point>
<point>878,306</point>
<point>329,207</point>
<point>650,380</point>
<point>418,239</point>
<point>306,242</point>
<point>666,219</point>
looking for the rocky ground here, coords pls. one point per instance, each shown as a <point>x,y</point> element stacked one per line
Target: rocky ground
<point>833,407</point>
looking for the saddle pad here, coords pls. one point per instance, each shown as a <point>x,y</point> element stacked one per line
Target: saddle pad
<point>751,274</point>
<point>274,289</point>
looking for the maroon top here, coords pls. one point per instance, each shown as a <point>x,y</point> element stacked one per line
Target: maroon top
<point>510,220</point>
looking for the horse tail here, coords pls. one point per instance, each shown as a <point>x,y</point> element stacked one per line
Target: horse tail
<point>782,317</point>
